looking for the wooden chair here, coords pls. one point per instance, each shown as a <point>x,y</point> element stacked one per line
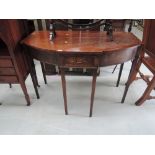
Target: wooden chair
<point>145,56</point>
<point>83,22</point>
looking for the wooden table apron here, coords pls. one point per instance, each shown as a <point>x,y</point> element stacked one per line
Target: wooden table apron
<point>82,50</point>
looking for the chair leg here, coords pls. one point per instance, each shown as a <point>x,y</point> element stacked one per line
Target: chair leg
<point>114,69</point>
<point>147,92</point>
<point>132,76</point>
<point>93,92</point>
<point>63,80</point>
<point>119,75</point>
<point>43,71</point>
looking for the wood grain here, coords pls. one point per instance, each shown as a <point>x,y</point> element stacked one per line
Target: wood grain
<point>81,41</point>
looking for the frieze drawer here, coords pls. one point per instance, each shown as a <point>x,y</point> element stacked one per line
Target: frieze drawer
<point>78,61</point>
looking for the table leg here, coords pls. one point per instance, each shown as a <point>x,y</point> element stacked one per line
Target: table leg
<point>63,80</point>
<point>33,73</point>
<point>114,69</point>
<point>10,85</point>
<point>43,71</point>
<point>120,73</point>
<point>93,91</point>
<point>34,78</point>
<point>35,85</point>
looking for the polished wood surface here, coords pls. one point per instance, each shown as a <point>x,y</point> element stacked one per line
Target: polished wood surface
<point>81,49</point>
<point>80,41</point>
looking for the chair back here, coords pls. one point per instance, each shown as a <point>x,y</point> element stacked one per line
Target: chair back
<point>46,24</point>
<point>118,24</point>
<point>86,23</point>
<point>82,24</point>
<point>149,37</point>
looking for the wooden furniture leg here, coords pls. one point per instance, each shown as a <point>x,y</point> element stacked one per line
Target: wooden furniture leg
<point>34,77</point>
<point>43,71</point>
<point>32,66</point>
<point>34,84</point>
<point>93,91</point>
<point>23,86</point>
<point>120,73</point>
<point>114,69</point>
<point>62,72</point>
<point>33,73</point>
<point>147,92</point>
<point>10,85</point>
<point>132,76</point>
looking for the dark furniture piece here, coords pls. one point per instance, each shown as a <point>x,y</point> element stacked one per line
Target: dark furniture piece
<point>13,61</point>
<point>145,56</point>
<point>81,49</point>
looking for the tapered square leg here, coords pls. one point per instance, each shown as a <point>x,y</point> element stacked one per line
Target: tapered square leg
<point>43,71</point>
<point>34,78</point>
<point>93,92</point>
<point>63,80</point>
<point>114,69</point>
<point>120,73</point>
<point>33,73</point>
